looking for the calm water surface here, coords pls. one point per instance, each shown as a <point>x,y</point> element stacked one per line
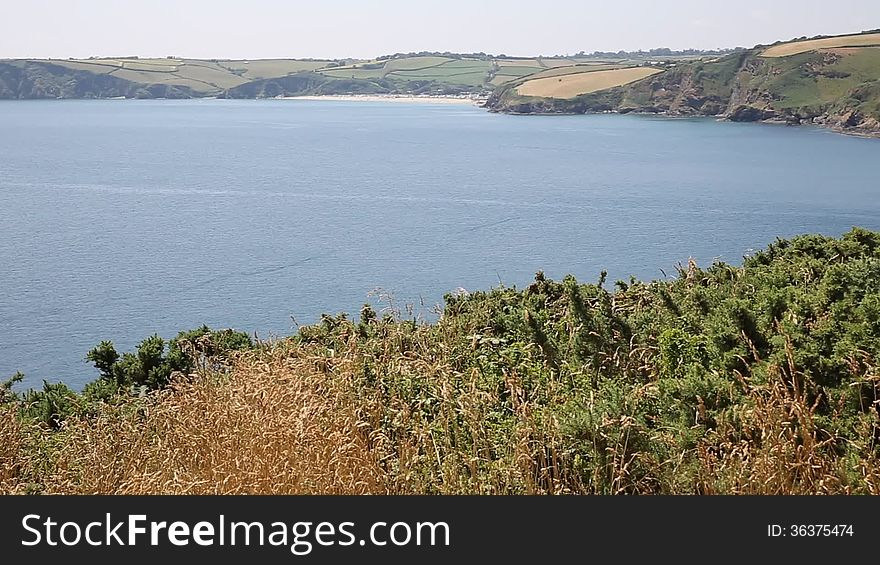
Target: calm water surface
<point>119,219</point>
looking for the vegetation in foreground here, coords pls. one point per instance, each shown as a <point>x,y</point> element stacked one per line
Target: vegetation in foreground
<point>760,379</point>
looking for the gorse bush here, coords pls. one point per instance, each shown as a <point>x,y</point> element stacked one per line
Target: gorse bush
<point>754,379</point>
<point>149,368</point>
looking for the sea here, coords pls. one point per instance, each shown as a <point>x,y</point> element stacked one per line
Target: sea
<point>120,219</point>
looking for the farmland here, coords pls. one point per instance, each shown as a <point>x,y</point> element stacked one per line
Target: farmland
<point>270,68</point>
<point>826,81</point>
<point>206,77</point>
<point>579,68</point>
<point>797,47</point>
<point>470,72</point>
<point>422,73</point>
<point>571,85</point>
<point>831,82</point>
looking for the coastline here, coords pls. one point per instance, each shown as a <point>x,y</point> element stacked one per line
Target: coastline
<point>834,128</point>
<point>399,98</point>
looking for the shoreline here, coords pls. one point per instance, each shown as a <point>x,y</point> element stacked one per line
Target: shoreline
<point>399,98</point>
<point>860,133</point>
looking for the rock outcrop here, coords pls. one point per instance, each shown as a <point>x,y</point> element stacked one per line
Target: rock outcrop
<point>24,80</point>
<point>824,88</point>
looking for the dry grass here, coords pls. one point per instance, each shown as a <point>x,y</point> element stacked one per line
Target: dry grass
<point>269,428</point>
<point>569,86</point>
<point>788,49</point>
<point>10,449</point>
<point>782,449</point>
<point>395,416</point>
<point>299,419</point>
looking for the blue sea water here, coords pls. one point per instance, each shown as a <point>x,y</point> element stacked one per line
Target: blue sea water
<point>120,219</point>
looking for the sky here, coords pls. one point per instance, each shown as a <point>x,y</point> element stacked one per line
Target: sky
<point>250,29</point>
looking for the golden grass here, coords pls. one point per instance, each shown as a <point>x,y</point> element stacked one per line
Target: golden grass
<point>10,449</point>
<point>271,427</point>
<point>397,416</point>
<point>569,86</point>
<point>783,451</point>
<point>788,49</point>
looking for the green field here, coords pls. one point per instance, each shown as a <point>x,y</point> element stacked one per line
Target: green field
<point>271,68</point>
<point>354,73</point>
<point>499,80</point>
<point>272,77</point>
<point>415,63</point>
<point>571,70</point>
<point>470,72</point>
<point>518,71</point>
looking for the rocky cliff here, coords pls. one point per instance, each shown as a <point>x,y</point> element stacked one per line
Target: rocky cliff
<point>21,80</point>
<point>837,88</point>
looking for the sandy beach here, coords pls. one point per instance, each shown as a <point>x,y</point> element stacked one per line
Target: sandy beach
<point>389,98</point>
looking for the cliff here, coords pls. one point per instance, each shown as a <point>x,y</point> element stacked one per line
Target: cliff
<point>836,88</point>
<point>22,80</point>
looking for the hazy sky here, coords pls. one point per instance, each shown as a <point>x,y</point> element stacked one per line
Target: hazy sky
<point>348,28</point>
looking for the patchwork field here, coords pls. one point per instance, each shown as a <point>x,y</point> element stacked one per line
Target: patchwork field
<point>518,71</point>
<point>470,72</point>
<point>569,86</point>
<point>499,80</point>
<point>573,70</point>
<point>827,81</point>
<point>797,47</point>
<point>201,76</point>
<point>423,73</point>
<point>271,68</point>
<point>416,63</point>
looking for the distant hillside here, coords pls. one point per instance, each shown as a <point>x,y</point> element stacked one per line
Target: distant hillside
<point>828,81</point>
<point>413,73</point>
<point>132,77</point>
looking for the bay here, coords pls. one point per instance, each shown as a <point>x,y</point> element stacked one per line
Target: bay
<point>120,219</point>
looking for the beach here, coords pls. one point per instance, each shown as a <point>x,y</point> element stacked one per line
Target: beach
<point>389,98</point>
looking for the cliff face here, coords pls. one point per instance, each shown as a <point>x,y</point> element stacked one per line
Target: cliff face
<point>837,88</point>
<point>20,80</point>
